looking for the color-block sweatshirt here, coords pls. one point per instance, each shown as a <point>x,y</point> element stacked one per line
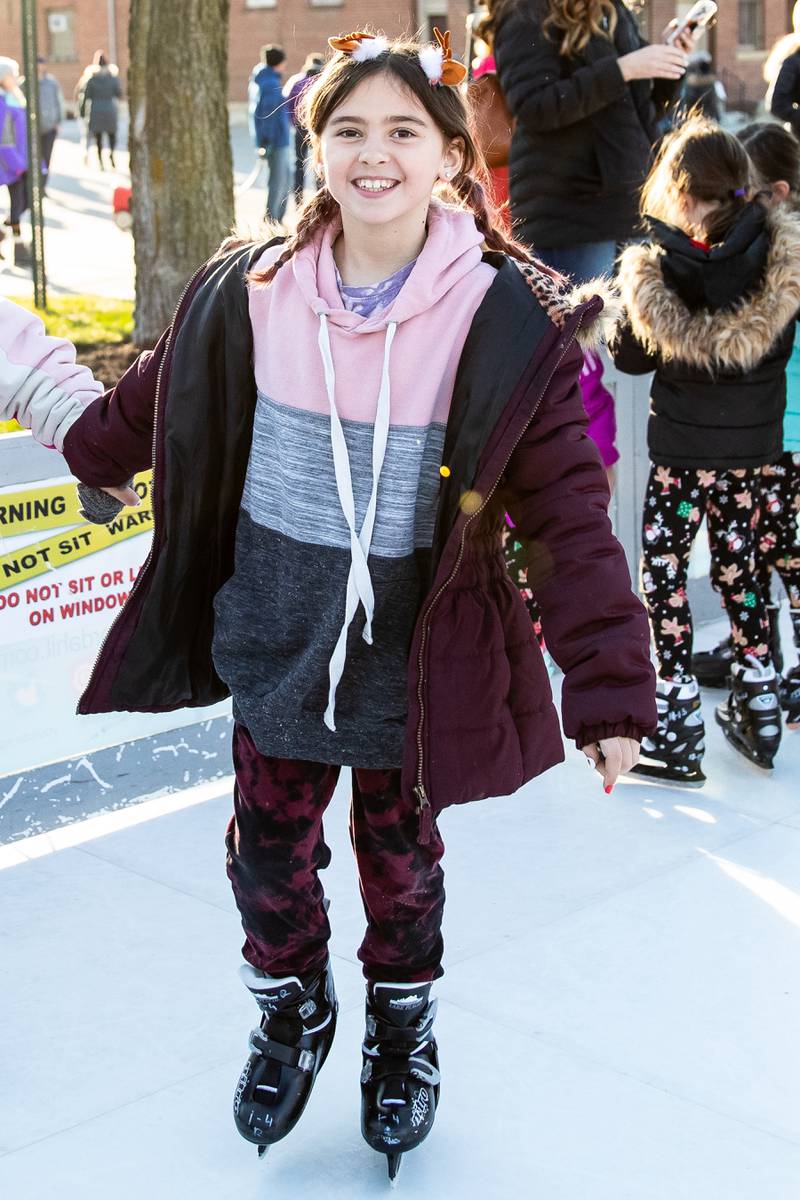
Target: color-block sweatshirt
<point>313,629</point>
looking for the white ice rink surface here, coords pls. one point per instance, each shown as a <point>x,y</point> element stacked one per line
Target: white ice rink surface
<point>619,1017</point>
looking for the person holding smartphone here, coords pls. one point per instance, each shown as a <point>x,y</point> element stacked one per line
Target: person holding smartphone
<point>587,93</point>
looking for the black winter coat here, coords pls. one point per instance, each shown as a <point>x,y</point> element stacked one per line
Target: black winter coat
<point>717,327</point>
<point>583,139</point>
<point>786,93</point>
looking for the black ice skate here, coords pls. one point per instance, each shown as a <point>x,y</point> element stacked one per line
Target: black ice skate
<point>400,1079</point>
<point>673,753</point>
<point>751,718</point>
<point>790,697</point>
<point>712,667</point>
<point>287,1051</point>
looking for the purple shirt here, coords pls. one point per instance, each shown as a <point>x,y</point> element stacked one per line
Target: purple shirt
<point>366,300</point>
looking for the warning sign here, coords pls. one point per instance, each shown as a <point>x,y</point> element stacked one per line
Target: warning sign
<point>56,506</point>
<point>63,582</point>
<point>52,506</point>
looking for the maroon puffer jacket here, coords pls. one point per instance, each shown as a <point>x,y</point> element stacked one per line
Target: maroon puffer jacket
<point>480,720</point>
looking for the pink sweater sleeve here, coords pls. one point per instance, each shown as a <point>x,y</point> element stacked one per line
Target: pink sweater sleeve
<point>41,385</point>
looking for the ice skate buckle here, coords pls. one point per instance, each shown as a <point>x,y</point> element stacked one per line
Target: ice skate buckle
<point>289,1056</point>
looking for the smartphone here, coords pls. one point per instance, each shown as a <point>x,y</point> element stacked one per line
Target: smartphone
<point>699,17</point>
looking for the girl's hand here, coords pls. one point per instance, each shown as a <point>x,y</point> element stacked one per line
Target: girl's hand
<point>612,757</point>
<point>653,62</point>
<point>125,495</point>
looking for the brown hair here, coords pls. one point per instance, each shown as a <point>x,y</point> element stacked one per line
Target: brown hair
<point>573,21</point>
<point>704,162</point>
<point>775,153</point>
<point>446,106</point>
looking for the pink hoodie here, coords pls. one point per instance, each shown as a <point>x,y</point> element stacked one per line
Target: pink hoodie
<point>433,313</point>
<point>352,410</point>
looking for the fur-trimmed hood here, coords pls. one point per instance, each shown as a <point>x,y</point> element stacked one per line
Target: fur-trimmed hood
<point>734,338</point>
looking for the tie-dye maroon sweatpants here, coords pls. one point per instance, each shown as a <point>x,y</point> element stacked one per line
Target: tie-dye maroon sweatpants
<point>276,847</point>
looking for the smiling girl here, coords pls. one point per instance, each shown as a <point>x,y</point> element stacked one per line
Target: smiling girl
<point>340,421</point>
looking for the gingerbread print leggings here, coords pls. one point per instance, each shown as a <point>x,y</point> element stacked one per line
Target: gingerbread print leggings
<point>276,847</point>
<point>675,502</point>
<point>778,531</point>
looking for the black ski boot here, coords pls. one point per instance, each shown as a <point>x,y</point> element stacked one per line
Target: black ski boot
<point>287,1051</point>
<point>790,697</point>
<point>775,651</point>
<point>711,668</point>
<point>673,753</point>
<point>400,1078</point>
<point>751,718</point>
<point>790,684</point>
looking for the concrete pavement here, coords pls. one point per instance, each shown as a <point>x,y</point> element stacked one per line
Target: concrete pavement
<point>85,252</point>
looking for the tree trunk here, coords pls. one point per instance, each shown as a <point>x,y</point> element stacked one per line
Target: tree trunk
<point>181,163</point>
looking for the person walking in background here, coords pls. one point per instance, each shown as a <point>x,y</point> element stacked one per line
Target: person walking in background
<point>100,105</point>
<point>702,91</point>
<point>14,152</point>
<point>292,92</point>
<point>51,112</point>
<point>80,89</point>
<point>271,128</point>
<point>711,302</point>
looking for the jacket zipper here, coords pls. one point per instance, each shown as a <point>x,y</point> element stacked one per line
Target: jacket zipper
<point>146,562</point>
<point>424,809</point>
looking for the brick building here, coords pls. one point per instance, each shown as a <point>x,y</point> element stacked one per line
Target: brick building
<point>739,43</point>
<point>71,30</point>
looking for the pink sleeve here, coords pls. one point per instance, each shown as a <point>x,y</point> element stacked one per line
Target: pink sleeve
<point>41,385</point>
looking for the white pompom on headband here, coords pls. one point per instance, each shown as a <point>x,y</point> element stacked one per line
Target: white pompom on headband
<point>370,48</point>
<point>431,59</point>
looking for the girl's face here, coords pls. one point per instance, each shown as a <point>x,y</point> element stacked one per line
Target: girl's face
<point>382,153</point>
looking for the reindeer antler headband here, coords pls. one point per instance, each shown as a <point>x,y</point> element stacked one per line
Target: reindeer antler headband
<point>436,61</point>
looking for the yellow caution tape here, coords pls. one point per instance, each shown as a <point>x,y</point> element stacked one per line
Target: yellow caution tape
<point>55,505</point>
<point>40,557</point>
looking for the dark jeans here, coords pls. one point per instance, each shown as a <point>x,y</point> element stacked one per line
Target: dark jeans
<point>48,141</point>
<point>18,196</point>
<point>778,533</point>
<point>112,143</point>
<point>581,262</point>
<point>276,847</point>
<point>675,502</point>
<point>302,150</point>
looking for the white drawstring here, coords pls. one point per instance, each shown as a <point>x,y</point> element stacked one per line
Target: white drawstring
<point>359,581</point>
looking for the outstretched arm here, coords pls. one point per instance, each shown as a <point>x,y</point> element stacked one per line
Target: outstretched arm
<point>41,385</point>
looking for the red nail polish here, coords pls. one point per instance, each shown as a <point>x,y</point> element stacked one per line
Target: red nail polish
<point>608,790</point>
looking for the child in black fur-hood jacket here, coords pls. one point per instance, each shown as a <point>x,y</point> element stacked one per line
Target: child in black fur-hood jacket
<point>711,303</point>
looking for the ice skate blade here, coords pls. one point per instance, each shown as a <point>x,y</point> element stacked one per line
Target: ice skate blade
<point>763,761</point>
<point>657,772</point>
<point>393,1162</point>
